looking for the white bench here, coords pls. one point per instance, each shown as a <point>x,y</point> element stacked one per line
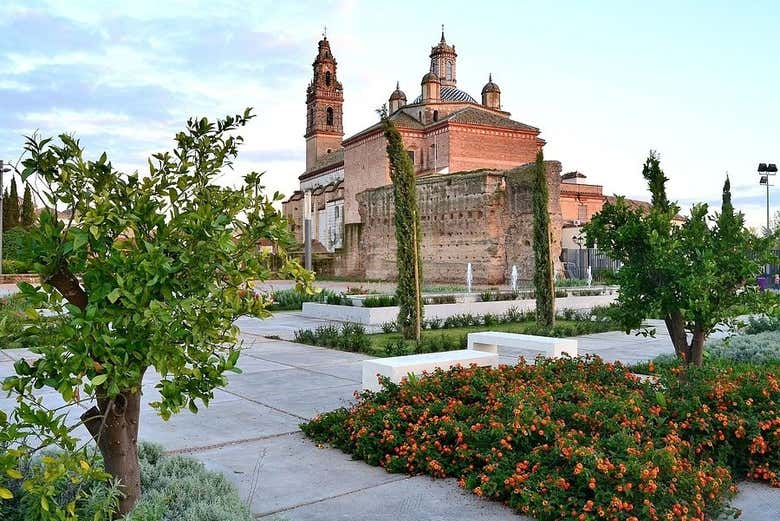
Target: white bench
<point>397,367</point>
<point>489,341</point>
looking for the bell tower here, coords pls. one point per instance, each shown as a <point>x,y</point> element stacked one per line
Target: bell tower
<point>324,99</point>
<point>444,60</point>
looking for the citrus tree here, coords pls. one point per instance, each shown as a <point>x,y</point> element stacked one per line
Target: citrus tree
<point>143,273</point>
<point>694,275</point>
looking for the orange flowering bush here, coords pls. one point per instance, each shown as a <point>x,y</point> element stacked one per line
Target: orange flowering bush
<point>576,439</point>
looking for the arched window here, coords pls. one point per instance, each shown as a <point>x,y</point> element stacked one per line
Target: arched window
<point>329,117</point>
<point>327,78</point>
<point>449,70</point>
<point>436,115</point>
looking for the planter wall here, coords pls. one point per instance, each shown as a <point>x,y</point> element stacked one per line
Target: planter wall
<point>379,316</point>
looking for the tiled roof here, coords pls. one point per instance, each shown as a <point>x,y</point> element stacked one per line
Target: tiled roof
<point>451,94</point>
<point>475,116</point>
<point>399,117</point>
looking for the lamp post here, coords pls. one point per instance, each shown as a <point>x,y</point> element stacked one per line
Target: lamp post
<point>580,240</point>
<point>307,230</point>
<point>765,170</point>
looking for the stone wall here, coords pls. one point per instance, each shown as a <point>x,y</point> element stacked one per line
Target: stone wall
<point>482,217</point>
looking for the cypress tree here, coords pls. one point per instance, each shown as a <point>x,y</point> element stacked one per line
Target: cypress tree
<point>28,210</point>
<point>13,206</point>
<point>543,270</point>
<point>407,234</point>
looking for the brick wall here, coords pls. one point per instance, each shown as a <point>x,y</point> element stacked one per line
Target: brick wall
<point>473,147</point>
<point>365,167</point>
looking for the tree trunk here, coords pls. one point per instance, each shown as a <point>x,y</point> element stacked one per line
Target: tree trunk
<point>697,346</point>
<point>675,324</point>
<point>114,426</point>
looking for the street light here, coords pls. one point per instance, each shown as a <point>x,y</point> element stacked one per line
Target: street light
<point>765,170</point>
<point>3,169</point>
<point>580,240</point>
<point>307,229</point>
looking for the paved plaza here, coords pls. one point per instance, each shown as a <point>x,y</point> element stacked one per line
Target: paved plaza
<point>250,433</point>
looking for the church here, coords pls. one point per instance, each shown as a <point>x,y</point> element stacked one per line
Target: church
<point>473,164</point>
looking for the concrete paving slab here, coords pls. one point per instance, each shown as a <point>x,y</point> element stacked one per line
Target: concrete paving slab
<point>758,502</point>
<point>351,371</point>
<point>419,498</point>
<point>289,381</point>
<point>308,357</point>
<point>308,404</point>
<point>224,422</point>
<point>290,471</point>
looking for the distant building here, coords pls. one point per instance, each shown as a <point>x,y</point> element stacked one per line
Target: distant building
<point>473,165</point>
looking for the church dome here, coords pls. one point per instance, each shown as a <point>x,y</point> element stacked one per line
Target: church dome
<point>397,93</point>
<point>430,77</point>
<point>451,94</point>
<point>490,86</point>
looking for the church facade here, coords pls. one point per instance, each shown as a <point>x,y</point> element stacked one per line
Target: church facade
<point>473,163</point>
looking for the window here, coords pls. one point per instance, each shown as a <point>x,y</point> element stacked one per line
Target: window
<point>435,68</point>
<point>329,117</point>
<point>449,70</point>
<point>436,115</point>
<point>411,155</point>
<point>582,212</point>
<point>419,115</point>
<point>327,78</point>
<point>336,212</point>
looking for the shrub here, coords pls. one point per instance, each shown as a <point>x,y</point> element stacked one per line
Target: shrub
<point>759,348</point>
<point>390,327</point>
<point>396,347</point>
<point>380,301</point>
<point>433,323</point>
<point>292,300</point>
<point>175,488</point>
<point>574,438</point>
<point>348,337</point>
<point>353,338</point>
<point>757,325</point>
<point>12,266</point>
<point>440,299</point>
<point>15,244</point>
<point>489,319</point>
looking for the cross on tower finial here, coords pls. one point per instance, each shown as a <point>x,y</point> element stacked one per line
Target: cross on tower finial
<point>442,34</point>
<point>325,32</point>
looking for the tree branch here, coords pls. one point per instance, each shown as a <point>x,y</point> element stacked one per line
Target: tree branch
<point>69,287</point>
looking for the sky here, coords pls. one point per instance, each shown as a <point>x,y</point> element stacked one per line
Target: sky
<point>606,82</point>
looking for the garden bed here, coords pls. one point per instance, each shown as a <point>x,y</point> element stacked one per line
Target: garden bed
<point>575,439</point>
<point>376,316</point>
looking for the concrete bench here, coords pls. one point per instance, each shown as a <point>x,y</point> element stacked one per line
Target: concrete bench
<point>489,341</point>
<point>397,367</point>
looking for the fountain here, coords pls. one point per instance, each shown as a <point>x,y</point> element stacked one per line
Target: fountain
<point>513,278</point>
<point>469,278</point>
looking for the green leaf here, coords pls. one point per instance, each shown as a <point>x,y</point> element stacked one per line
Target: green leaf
<point>99,380</point>
<point>79,239</point>
<point>5,493</point>
<point>13,474</point>
<point>660,398</point>
<point>114,295</point>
